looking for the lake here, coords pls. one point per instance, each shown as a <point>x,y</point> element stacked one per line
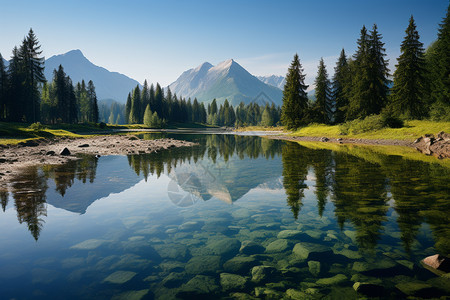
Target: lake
<point>235,217</point>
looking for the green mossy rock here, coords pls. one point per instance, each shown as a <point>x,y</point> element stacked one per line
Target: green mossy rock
<point>305,250</point>
<point>232,282</point>
<point>240,265</point>
<point>250,247</point>
<point>226,247</point>
<point>208,264</point>
<point>120,277</point>
<point>278,246</point>
<point>337,279</point>
<point>314,267</point>
<point>289,234</point>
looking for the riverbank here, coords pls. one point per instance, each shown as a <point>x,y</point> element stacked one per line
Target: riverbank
<point>61,150</point>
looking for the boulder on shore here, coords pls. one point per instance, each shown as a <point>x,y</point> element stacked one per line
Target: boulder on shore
<point>437,262</point>
<point>438,145</point>
<point>65,152</point>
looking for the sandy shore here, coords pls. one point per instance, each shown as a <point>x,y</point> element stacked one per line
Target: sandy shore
<point>43,151</point>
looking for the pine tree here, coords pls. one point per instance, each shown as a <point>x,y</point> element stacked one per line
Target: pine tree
<point>145,99</point>
<point>147,116</point>
<point>438,65</point>
<point>409,77</point>
<point>3,89</point>
<point>340,86</point>
<point>111,118</point>
<point>135,112</point>
<point>322,108</point>
<point>33,67</point>
<point>15,96</point>
<point>159,96</point>
<point>214,107</point>
<point>379,73</point>
<point>266,118</point>
<point>295,100</point>
<point>128,109</point>
<point>92,95</point>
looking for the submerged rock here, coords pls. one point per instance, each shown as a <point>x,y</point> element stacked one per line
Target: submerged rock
<point>232,282</point>
<point>240,264</point>
<point>199,287</point>
<point>263,274</point>
<point>438,262</point>
<point>250,247</point>
<point>89,244</point>
<point>226,247</point>
<point>120,277</point>
<point>209,264</point>
<point>131,295</point>
<point>311,251</point>
<point>289,234</point>
<point>369,289</point>
<point>174,279</point>
<point>417,289</point>
<point>314,267</point>
<point>277,246</point>
<point>339,278</point>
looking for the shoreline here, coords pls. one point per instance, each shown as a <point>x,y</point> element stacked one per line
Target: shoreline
<point>13,158</point>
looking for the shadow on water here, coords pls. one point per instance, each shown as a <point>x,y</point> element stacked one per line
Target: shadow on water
<point>363,190</point>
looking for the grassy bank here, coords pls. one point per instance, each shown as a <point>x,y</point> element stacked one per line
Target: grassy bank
<point>410,131</point>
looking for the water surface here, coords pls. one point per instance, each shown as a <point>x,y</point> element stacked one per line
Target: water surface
<point>195,222</point>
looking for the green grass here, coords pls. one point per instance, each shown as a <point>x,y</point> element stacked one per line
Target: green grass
<point>411,131</point>
<point>260,128</point>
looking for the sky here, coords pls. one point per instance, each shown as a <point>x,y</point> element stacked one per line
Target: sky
<point>158,40</point>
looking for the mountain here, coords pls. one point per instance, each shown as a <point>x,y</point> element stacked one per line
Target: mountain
<point>5,63</point>
<point>227,80</point>
<point>273,80</point>
<point>108,85</point>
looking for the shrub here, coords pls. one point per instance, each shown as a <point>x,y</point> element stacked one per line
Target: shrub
<point>370,123</point>
<point>37,126</point>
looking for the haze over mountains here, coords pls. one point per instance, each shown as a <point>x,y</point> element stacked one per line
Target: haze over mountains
<point>226,80</point>
<point>109,85</point>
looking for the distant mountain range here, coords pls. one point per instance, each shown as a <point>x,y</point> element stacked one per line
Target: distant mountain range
<point>273,80</point>
<point>227,80</point>
<point>108,85</point>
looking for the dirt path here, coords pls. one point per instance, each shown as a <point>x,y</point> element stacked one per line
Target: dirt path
<point>40,152</point>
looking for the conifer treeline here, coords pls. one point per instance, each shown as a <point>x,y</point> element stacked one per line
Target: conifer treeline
<point>154,108</point>
<point>25,96</point>
<point>361,87</point>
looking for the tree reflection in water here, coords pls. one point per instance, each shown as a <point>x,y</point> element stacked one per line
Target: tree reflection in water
<point>360,183</point>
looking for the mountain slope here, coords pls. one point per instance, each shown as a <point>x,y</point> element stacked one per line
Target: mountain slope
<point>227,80</point>
<point>109,85</point>
<point>273,80</point>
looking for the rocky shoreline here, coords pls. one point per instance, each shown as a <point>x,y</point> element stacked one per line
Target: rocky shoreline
<point>436,145</point>
<point>59,151</point>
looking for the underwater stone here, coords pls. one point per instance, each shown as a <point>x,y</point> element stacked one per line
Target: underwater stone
<point>89,244</point>
<point>339,278</point>
<point>263,273</point>
<point>266,293</point>
<point>174,280</point>
<point>406,263</point>
<point>173,251</point>
<point>348,253</point>
<point>351,234</point>
<point>296,294</point>
<point>172,266</point>
<point>199,286</point>
<point>232,282</point>
<point>226,247</point>
<point>191,226</point>
<point>363,266</point>
<point>314,267</point>
<point>242,296</point>
<point>203,265</point>
<point>250,247</point>
<point>131,295</point>
<point>416,288</point>
<point>315,234</point>
<point>289,234</point>
<point>369,289</point>
<point>305,250</point>
<point>131,261</point>
<point>120,277</point>
<point>277,246</point>
<point>240,264</point>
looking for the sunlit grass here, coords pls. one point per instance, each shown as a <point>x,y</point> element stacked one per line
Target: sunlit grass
<point>411,131</point>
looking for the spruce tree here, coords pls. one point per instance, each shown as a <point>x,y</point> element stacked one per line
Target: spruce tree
<point>295,100</point>
<point>33,67</point>
<point>266,118</point>
<point>379,73</point>
<point>128,109</point>
<point>135,112</point>
<point>15,95</point>
<point>340,86</point>
<point>3,89</point>
<point>92,95</point>
<point>145,98</point>
<point>438,65</point>
<point>322,108</point>
<point>147,116</point>
<point>407,97</point>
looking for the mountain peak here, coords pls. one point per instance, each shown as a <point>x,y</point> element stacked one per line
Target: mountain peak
<point>204,66</point>
<point>74,53</point>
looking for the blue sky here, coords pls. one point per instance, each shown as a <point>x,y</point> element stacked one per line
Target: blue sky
<point>158,40</point>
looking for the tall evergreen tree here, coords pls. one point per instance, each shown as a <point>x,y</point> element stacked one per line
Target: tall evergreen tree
<point>266,118</point>
<point>15,95</point>
<point>3,89</point>
<point>145,97</point>
<point>409,77</point>
<point>135,113</point>
<point>438,65</point>
<point>295,100</point>
<point>159,96</point>
<point>322,108</point>
<point>33,67</point>
<point>128,109</point>
<point>92,95</point>
<point>340,88</point>
<point>147,116</point>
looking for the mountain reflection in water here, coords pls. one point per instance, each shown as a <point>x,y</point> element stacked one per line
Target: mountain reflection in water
<point>363,190</point>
